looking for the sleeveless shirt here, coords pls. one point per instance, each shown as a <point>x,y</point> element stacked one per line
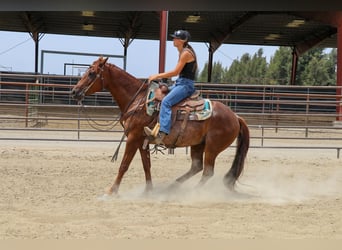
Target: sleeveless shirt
<point>189,69</point>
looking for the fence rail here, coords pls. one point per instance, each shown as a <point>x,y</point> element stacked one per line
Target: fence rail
<point>40,108</point>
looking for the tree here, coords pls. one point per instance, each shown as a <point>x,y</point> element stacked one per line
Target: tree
<point>237,72</point>
<point>248,69</point>
<point>314,73</point>
<point>203,75</point>
<point>233,74</point>
<point>331,66</point>
<point>314,68</point>
<point>279,68</point>
<point>317,68</point>
<point>256,68</point>
<point>217,72</point>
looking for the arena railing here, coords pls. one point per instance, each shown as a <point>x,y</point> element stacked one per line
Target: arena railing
<point>40,108</point>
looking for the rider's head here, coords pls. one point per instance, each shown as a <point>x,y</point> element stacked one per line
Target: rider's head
<point>183,35</point>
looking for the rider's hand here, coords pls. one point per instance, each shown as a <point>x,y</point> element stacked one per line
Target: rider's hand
<point>152,78</point>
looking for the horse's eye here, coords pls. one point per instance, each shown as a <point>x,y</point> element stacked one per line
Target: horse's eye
<point>92,74</point>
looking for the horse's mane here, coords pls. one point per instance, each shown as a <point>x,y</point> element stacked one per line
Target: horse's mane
<point>133,78</point>
<point>130,78</point>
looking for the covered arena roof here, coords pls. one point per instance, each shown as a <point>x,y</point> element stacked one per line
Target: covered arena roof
<point>275,28</point>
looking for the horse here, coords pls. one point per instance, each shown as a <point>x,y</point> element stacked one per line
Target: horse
<point>206,138</point>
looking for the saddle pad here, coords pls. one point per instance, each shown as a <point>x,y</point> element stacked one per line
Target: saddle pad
<point>151,104</point>
<point>197,115</point>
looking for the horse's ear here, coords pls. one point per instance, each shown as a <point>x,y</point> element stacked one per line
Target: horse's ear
<point>103,61</point>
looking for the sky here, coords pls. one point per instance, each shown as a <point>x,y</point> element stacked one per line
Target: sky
<point>17,53</point>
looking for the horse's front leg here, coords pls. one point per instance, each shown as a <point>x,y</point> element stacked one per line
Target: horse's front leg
<point>130,150</point>
<point>146,161</point>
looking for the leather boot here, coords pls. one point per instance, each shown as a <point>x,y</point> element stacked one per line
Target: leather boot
<point>148,131</point>
<point>158,139</point>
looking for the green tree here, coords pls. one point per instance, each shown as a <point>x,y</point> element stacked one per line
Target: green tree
<point>314,73</point>
<point>314,68</point>
<point>238,70</point>
<point>217,73</point>
<point>251,70</point>
<point>307,63</point>
<point>279,68</point>
<point>331,66</point>
<point>317,68</point>
<point>203,75</point>
<point>256,68</point>
<point>233,74</point>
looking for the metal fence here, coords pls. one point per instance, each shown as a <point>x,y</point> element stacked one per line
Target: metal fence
<point>39,107</point>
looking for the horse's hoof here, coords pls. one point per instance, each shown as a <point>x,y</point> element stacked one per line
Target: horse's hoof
<point>174,186</point>
<point>107,197</point>
<point>104,197</point>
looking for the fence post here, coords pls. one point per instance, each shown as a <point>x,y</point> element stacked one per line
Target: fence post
<point>307,108</point>
<point>26,105</point>
<point>79,123</point>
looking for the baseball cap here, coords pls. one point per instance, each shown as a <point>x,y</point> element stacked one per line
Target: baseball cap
<point>181,34</point>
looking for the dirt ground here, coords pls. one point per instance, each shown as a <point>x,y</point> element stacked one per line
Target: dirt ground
<point>55,190</point>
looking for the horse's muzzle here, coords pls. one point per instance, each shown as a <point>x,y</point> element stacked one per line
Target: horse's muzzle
<point>77,94</point>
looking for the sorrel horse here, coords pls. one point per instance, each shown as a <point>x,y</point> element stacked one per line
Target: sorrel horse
<point>206,138</point>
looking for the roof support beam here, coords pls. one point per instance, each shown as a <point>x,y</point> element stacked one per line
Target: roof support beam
<point>329,17</point>
<point>294,67</point>
<point>163,39</point>
<point>34,33</point>
<point>128,32</point>
<point>210,62</point>
<point>218,40</point>
<point>305,45</point>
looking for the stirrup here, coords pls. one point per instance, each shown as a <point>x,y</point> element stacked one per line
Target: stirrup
<point>153,132</point>
<point>154,135</point>
<point>159,138</point>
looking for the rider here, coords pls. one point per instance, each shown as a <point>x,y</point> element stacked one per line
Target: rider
<point>184,87</point>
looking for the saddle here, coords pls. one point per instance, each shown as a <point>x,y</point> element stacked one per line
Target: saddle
<point>194,107</point>
<point>191,108</point>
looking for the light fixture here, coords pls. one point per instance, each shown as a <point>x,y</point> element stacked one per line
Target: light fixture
<point>88,13</point>
<point>295,23</point>
<point>272,37</point>
<point>88,27</point>
<point>193,18</point>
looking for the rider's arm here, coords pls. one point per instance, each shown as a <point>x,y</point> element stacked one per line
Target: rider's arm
<point>185,57</point>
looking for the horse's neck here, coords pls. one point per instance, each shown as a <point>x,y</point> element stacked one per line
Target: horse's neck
<point>123,87</point>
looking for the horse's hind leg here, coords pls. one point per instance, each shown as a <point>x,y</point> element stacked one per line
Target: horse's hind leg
<point>196,163</point>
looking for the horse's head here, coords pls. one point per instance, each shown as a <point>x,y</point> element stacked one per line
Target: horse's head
<point>91,81</point>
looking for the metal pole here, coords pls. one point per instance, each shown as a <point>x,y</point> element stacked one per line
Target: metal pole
<point>36,42</point>
<point>163,39</point>
<point>339,72</point>
<point>210,61</point>
<point>294,66</point>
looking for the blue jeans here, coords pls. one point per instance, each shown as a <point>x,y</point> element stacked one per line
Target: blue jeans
<point>181,89</point>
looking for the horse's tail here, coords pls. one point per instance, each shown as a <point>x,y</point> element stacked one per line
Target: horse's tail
<point>242,147</point>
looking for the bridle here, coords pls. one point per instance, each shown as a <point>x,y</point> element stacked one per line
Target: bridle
<point>126,112</point>
<point>98,75</point>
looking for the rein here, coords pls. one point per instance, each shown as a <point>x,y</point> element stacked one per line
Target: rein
<point>98,126</point>
<point>98,75</point>
<point>127,114</point>
<point>132,100</point>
